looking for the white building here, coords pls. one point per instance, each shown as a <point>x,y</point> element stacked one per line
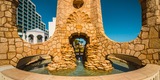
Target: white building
<point>35,36</point>
<point>52,27</point>
<point>28,18</point>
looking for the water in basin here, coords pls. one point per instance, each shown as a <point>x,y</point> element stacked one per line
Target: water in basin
<point>119,67</point>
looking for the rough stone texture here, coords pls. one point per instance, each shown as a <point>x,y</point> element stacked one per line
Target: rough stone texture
<point>87,20</point>
<point>95,61</point>
<point>153,33</point>
<point>64,60</point>
<point>139,47</point>
<point>3,48</point>
<point>154,43</point>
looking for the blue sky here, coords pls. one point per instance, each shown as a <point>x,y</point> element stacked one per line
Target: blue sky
<point>121,18</point>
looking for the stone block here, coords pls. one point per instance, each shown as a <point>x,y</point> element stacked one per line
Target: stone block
<point>13,63</point>
<point>19,56</point>
<point>150,51</point>
<point>119,51</point>
<point>26,44</point>
<point>18,39</point>
<point>149,57</point>
<point>38,51</point>
<point>151,21</point>
<point>124,46</point>
<point>46,48</point>
<point>8,14</point>
<point>34,46</point>
<point>11,55</point>
<point>26,49</point>
<point>137,54</point>
<point>1,14</point>
<point>1,34</point>
<point>158,20</point>
<point>3,20</point>
<point>139,47</point>
<point>115,50</point>
<point>108,51</point>
<point>41,47</point>
<point>4,62</point>
<point>145,35</point>
<point>153,33</point>
<point>131,46</point>
<point>132,52</point>
<point>15,34</point>
<point>3,7</point>
<point>128,51</point>
<point>3,40</point>
<point>146,43</point>
<point>15,59</point>
<point>154,43</point>
<point>145,28</point>
<point>137,41</point>
<point>7,25</point>
<point>11,41</point>
<point>19,50</point>
<point>1,23</point>
<point>24,54</point>
<point>142,56</point>
<point>3,56</point>
<point>58,45</point>
<point>12,48</point>
<point>3,29</point>
<point>109,47</point>
<point>156,56</point>
<point>19,44</point>
<point>156,50</point>
<point>8,34</point>
<point>123,51</point>
<point>3,48</point>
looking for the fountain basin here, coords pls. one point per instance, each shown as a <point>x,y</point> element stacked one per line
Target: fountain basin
<point>148,72</point>
<point>80,70</point>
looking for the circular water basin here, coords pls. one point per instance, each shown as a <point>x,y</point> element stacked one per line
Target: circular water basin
<point>119,67</point>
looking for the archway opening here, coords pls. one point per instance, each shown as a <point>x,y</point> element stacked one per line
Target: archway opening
<point>79,42</point>
<point>31,38</point>
<point>39,38</point>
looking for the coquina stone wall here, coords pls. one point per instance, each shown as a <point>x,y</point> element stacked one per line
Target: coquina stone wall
<point>88,20</point>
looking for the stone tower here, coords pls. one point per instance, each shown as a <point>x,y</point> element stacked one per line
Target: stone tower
<point>82,19</point>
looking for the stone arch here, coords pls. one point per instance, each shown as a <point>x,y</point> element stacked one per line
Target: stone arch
<point>78,18</point>
<point>80,35</point>
<point>84,36</point>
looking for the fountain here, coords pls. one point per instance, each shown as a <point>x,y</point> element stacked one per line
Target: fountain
<point>81,20</point>
<point>119,65</point>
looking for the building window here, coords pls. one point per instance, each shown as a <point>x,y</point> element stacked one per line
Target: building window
<point>39,38</point>
<point>30,38</point>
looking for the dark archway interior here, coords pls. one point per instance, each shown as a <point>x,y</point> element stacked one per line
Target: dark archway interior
<point>79,42</point>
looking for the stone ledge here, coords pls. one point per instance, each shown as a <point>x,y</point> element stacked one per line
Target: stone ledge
<point>149,72</point>
<point>5,67</point>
